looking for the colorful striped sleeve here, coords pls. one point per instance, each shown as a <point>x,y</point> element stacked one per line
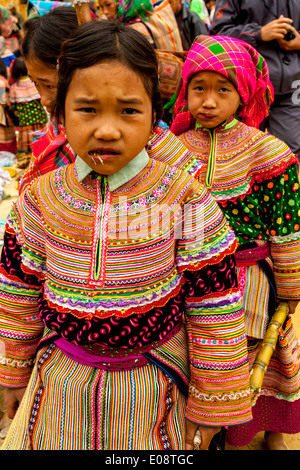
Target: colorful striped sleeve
<point>20,325</point>
<point>219,392</point>
<point>203,235</point>
<point>26,221</point>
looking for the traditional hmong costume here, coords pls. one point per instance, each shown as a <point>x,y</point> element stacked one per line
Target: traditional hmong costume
<point>154,19</point>
<point>108,295</point>
<point>50,150</point>
<point>26,104</point>
<point>253,176</point>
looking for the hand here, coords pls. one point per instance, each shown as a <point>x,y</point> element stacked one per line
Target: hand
<point>207,433</point>
<point>292,305</point>
<point>293,45</point>
<point>13,397</point>
<point>276,29</point>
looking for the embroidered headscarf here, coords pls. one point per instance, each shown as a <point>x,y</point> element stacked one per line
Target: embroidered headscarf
<point>2,46</point>
<point>40,8</point>
<point>7,21</point>
<point>129,10</point>
<point>4,14</point>
<point>240,63</point>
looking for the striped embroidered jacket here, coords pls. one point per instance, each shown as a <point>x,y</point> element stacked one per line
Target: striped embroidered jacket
<point>253,176</point>
<point>139,258</point>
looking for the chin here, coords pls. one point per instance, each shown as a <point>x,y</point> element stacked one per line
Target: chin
<point>105,170</point>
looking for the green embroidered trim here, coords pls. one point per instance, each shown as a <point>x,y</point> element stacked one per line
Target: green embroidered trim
<point>211,159</point>
<point>99,247</point>
<point>225,125</point>
<point>228,124</point>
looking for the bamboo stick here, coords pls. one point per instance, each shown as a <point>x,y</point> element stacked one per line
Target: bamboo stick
<point>83,11</point>
<point>267,348</point>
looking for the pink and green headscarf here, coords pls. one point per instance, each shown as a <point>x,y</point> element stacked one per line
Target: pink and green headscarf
<point>130,10</point>
<point>240,63</point>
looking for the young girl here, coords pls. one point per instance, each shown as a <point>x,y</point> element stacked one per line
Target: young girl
<point>26,104</point>
<point>49,147</point>
<point>8,141</point>
<point>106,286</point>
<point>225,95</point>
<point>6,54</point>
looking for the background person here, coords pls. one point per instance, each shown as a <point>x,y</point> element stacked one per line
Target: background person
<point>189,23</point>
<point>264,25</point>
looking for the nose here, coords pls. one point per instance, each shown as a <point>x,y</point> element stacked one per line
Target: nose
<point>47,101</point>
<point>107,129</point>
<point>209,100</point>
<point>106,12</point>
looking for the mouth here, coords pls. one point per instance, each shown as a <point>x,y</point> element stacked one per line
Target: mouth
<point>207,116</point>
<point>102,154</point>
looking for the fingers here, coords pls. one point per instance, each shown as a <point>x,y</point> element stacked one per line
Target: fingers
<point>280,31</point>
<point>13,398</point>
<point>276,29</point>
<point>284,19</point>
<point>292,305</point>
<point>191,429</point>
<point>279,34</point>
<point>206,434</point>
<point>11,407</point>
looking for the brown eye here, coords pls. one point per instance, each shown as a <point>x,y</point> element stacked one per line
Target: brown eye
<point>130,111</point>
<point>87,110</point>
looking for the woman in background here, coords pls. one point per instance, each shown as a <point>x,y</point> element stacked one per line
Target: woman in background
<point>26,105</point>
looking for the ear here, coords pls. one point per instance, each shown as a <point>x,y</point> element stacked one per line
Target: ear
<point>61,126</point>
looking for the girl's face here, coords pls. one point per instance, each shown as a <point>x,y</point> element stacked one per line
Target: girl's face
<point>45,79</point>
<point>211,4</point>
<point>108,115</point>
<point>108,8</point>
<point>212,98</point>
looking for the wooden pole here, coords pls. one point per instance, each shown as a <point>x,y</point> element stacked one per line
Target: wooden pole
<point>267,348</point>
<point>83,11</point>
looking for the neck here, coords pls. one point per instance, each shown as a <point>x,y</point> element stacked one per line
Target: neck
<point>227,124</point>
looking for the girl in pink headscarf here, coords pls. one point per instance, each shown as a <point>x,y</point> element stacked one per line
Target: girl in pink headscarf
<point>225,95</point>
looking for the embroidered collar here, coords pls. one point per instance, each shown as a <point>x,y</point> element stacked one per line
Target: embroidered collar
<point>122,176</point>
<point>230,122</point>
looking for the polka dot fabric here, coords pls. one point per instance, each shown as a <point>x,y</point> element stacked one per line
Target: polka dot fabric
<point>30,113</point>
<point>270,209</point>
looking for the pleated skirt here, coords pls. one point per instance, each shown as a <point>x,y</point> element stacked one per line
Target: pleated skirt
<point>71,406</point>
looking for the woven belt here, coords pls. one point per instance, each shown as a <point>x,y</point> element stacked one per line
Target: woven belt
<point>250,256</point>
<point>110,359</point>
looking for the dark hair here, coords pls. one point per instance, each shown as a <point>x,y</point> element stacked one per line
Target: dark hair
<point>18,69</point>
<point>99,41</point>
<point>17,53</point>
<point>3,68</point>
<point>45,34</point>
